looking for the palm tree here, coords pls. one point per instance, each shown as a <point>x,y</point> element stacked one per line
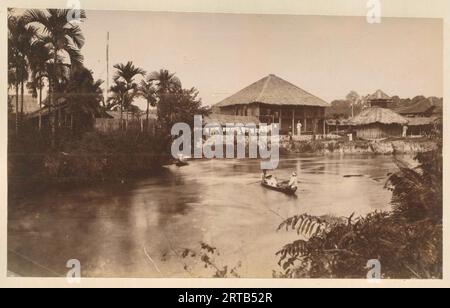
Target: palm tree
<point>84,95</point>
<point>64,40</point>
<point>148,91</point>
<point>166,82</point>
<point>167,85</point>
<point>115,99</point>
<point>125,85</point>
<point>39,65</point>
<point>20,42</point>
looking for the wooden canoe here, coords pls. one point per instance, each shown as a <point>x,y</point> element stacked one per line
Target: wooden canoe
<point>283,189</point>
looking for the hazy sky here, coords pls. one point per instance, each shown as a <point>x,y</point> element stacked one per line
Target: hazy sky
<point>220,54</point>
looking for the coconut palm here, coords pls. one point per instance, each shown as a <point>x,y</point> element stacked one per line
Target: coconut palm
<point>148,91</point>
<point>117,91</point>
<point>125,88</point>
<point>39,65</point>
<point>166,82</point>
<point>20,42</point>
<point>167,85</point>
<point>64,40</point>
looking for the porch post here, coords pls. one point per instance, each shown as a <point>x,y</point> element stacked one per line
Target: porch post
<point>293,121</point>
<point>281,116</point>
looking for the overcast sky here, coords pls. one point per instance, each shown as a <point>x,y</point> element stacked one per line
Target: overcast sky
<point>220,54</point>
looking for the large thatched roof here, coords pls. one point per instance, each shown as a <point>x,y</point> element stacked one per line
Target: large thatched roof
<point>378,115</point>
<point>272,90</point>
<point>379,95</point>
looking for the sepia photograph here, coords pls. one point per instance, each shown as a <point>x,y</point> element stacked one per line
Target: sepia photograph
<point>148,144</point>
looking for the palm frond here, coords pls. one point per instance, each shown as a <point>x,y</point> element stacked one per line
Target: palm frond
<point>306,225</point>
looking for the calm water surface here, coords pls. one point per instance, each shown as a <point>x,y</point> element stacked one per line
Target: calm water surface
<point>140,229</point>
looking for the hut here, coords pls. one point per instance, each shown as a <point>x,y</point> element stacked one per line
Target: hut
<point>377,121</point>
<point>423,116</point>
<point>276,101</point>
<point>428,107</point>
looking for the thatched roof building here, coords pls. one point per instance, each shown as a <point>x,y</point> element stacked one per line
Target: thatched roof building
<point>378,115</point>
<point>424,108</point>
<point>275,100</point>
<point>273,90</point>
<point>379,95</point>
<point>378,122</point>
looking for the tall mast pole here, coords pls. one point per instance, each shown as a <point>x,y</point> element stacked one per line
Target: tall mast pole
<point>107,66</point>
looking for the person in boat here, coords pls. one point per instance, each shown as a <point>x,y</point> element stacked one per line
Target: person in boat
<point>293,182</point>
<point>269,179</point>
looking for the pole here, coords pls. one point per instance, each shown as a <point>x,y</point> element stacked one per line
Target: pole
<point>107,66</point>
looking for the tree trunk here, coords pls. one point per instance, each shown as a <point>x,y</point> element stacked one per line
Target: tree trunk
<point>148,111</point>
<point>52,100</point>
<point>21,98</point>
<point>121,112</point>
<point>40,106</point>
<point>17,108</point>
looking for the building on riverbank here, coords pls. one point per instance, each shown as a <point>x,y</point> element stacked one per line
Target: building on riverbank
<point>424,116</point>
<point>276,101</point>
<point>425,108</point>
<point>377,121</point>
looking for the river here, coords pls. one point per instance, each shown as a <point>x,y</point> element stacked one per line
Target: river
<point>140,229</point>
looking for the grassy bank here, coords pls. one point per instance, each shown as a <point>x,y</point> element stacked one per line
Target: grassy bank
<point>93,157</point>
<point>341,146</point>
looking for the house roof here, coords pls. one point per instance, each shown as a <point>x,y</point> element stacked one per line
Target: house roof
<point>224,119</point>
<point>422,106</point>
<point>379,95</point>
<point>378,115</point>
<point>422,121</point>
<point>272,90</point>
<point>44,111</point>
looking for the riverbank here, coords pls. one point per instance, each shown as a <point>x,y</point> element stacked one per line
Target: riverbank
<point>93,158</point>
<point>340,146</point>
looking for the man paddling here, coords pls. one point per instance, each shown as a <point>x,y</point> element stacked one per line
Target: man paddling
<point>293,182</point>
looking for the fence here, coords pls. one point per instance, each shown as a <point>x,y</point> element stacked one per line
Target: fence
<point>138,125</point>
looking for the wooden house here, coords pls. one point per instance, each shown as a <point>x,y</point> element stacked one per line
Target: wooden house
<point>276,101</point>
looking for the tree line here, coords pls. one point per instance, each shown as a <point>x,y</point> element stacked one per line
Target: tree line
<point>354,103</point>
<point>44,56</point>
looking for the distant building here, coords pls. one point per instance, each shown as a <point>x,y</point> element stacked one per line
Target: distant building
<point>424,108</point>
<point>377,121</point>
<point>30,104</point>
<point>379,99</point>
<point>423,116</point>
<point>274,100</point>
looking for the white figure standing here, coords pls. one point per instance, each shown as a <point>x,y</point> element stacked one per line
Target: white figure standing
<point>299,128</point>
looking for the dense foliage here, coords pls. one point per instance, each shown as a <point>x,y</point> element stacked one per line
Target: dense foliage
<point>407,240</point>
